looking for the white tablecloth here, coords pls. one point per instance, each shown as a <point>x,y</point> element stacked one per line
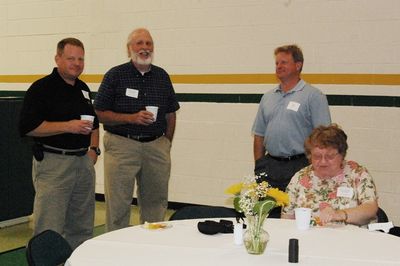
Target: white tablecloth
<point>183,244</point>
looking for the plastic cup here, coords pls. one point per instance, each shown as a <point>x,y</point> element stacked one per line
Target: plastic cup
<point>303,218</point>
<point>88,118</point>
<point>153,110</point>
<point>238,234</point>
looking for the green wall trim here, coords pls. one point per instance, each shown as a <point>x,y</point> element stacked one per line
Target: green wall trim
<point>16,94</point>
<point>334,100</point>
<point>219,97</point>
<point>363,100</point>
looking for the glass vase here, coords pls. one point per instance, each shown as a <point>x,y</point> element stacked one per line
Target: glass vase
<point>255,238</point>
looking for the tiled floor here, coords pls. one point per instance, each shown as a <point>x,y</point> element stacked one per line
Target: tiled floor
<point>18,235</point>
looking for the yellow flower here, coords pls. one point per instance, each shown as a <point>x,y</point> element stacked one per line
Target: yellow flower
<point>256,198</point>
<point>234,189</point>
<point>282,198</point>
<point>253,185</point>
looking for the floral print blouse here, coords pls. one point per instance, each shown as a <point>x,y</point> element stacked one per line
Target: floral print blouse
<point>349,189</point>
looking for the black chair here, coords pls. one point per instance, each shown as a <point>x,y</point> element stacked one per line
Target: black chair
<point>198,212</point>
<point>48,248</point>
<point>395,231</point>
<point>382,218</point>
<point>381,215</point>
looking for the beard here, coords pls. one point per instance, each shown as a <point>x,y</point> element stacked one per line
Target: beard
<point>138,60</point>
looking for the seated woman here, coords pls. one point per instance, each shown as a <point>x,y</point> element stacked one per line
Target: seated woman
<point>336,190</point>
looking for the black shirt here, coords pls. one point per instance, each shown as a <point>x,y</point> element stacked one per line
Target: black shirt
<point>125,90</point>
<point>52,99</point>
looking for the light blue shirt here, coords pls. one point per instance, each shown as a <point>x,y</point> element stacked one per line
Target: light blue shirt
<point>285,120</point>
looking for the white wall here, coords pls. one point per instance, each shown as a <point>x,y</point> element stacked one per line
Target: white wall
<point>213,145</point>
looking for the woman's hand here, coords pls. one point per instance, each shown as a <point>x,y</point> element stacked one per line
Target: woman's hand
<point>328,215</point>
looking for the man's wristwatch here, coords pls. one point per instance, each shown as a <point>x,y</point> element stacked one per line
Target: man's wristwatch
<point>96,150</point>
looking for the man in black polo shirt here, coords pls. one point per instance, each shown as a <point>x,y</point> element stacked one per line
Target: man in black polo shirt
<point>63,166</point>
<point>136,143</point>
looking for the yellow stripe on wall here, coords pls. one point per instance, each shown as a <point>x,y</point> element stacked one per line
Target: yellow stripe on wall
<point>19,78</point>
<point>351,79</point>
<point>225,79</point>
<point>354,79</point>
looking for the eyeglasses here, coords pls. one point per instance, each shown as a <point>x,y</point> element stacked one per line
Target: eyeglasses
<point>328,157</point>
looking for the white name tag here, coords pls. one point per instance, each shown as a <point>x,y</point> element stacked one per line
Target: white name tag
<point>294,106</point>
<point>345,192</point>
<point>86,95</point>
<point>132,93</point>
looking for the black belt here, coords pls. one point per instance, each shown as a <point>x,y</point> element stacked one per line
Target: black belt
<point>139,138</point>
<point>79,152</point>
<point>289,158</point>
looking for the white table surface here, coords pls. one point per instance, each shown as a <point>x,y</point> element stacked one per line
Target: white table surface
<point>183,244</point>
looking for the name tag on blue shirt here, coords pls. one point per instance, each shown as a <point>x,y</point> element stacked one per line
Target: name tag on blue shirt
<point>294,106</point>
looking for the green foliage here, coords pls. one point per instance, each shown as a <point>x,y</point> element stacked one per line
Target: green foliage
<point>236,204</point>
<point>264,207</point>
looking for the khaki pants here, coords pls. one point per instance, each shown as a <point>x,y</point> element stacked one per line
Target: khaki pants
<point>65,196</point>
<point>127,161</point>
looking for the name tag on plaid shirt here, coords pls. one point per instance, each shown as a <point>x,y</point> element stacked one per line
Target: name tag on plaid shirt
<point>132,93</point>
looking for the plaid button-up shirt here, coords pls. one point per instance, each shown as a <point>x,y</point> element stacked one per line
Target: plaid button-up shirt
<point>125,90</point>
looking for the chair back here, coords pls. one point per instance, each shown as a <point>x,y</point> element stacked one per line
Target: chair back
<point>381,215</point>
<point>48,248</point>
<point>395,231</point>
<point>198,212</point>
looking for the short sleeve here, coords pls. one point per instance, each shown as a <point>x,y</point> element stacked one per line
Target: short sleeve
<point>259,124</point>
<point>32,110</point>
<point>365,186</point>
<point>105,96</point>
<point>319,110</point>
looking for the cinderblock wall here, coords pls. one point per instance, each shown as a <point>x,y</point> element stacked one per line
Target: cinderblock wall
<point>213,144</point>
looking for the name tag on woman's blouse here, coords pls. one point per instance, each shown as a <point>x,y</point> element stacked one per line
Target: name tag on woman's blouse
<point>345,192</point>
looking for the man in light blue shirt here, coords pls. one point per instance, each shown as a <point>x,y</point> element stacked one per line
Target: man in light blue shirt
<point>285,118</point>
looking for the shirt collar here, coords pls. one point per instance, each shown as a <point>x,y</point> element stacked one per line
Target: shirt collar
<point>299,86</point>
<point>137,71</point>
<point>60,79</point>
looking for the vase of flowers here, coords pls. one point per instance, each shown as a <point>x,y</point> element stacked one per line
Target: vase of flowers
<point>255,199</point>
<point>255,238</point>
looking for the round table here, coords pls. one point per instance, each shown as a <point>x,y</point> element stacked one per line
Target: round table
<point>183,244</point>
